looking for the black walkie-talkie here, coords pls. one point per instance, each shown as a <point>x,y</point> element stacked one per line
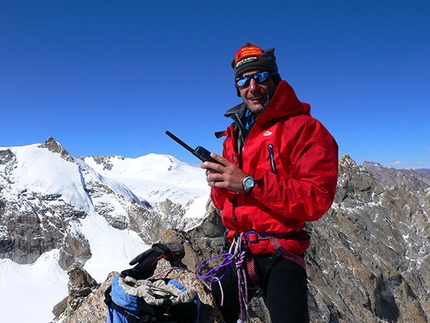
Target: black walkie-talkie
<point>200,152</point>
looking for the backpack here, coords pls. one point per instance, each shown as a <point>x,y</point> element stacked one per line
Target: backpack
<point>137,296</point>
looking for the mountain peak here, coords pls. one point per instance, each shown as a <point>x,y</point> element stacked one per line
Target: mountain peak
<point>54,146</point>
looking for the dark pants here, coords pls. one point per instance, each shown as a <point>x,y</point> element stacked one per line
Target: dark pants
<point>284,291</point>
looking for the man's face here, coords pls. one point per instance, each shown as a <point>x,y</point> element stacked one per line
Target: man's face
<point>256,95</point>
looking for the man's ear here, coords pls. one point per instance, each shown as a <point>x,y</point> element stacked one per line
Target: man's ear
<point>276,78</point>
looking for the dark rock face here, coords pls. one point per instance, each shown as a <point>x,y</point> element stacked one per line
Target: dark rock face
<point>27,231</point>
<point>368,259</point>
<point>52,145</point>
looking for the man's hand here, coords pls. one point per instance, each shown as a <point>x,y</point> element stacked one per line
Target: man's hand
<point>223,175</point>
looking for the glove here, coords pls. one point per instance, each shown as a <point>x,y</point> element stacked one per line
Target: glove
<point>177,253</point>
<point>146,262</point>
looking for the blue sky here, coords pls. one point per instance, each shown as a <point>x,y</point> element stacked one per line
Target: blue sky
<point>109,77</point>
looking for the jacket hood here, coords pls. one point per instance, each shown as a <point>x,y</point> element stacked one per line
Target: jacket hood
<point>284,104</point>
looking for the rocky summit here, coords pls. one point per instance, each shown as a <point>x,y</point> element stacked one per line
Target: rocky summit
<point>368,260</point>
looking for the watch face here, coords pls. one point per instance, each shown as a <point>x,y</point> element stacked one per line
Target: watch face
<point>249,182</point>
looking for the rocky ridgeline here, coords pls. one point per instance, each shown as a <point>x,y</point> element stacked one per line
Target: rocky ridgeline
<point>368,261</point>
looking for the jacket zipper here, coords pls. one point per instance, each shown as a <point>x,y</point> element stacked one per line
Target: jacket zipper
<point>272,158</point>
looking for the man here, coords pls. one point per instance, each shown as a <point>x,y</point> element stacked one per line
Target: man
<point>278,171</point>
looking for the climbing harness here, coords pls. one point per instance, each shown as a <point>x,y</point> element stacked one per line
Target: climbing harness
<point>253,237</point>
<point>245,265</point>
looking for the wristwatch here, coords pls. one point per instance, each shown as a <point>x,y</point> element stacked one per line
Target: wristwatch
<point>248,184</point>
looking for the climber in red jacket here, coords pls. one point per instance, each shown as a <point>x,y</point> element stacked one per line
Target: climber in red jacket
<point>278,171</point>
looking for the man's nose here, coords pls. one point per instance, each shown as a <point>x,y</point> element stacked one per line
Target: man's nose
<point>253,84</point>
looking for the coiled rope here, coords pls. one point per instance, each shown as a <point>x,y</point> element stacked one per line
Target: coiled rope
<point>237,256</point>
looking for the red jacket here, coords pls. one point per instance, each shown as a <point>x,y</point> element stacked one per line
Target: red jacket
<point>294,160</point>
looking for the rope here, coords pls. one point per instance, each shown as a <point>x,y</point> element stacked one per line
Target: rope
<point>242,288</point>
<point>235,255</point>
<point>210,276</point>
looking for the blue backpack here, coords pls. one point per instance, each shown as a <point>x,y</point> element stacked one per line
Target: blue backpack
<point>136,297</point>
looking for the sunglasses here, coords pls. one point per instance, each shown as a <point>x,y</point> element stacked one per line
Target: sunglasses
<point>259,77</point>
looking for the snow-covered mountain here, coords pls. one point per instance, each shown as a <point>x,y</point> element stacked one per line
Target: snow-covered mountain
<point>56,209</point>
